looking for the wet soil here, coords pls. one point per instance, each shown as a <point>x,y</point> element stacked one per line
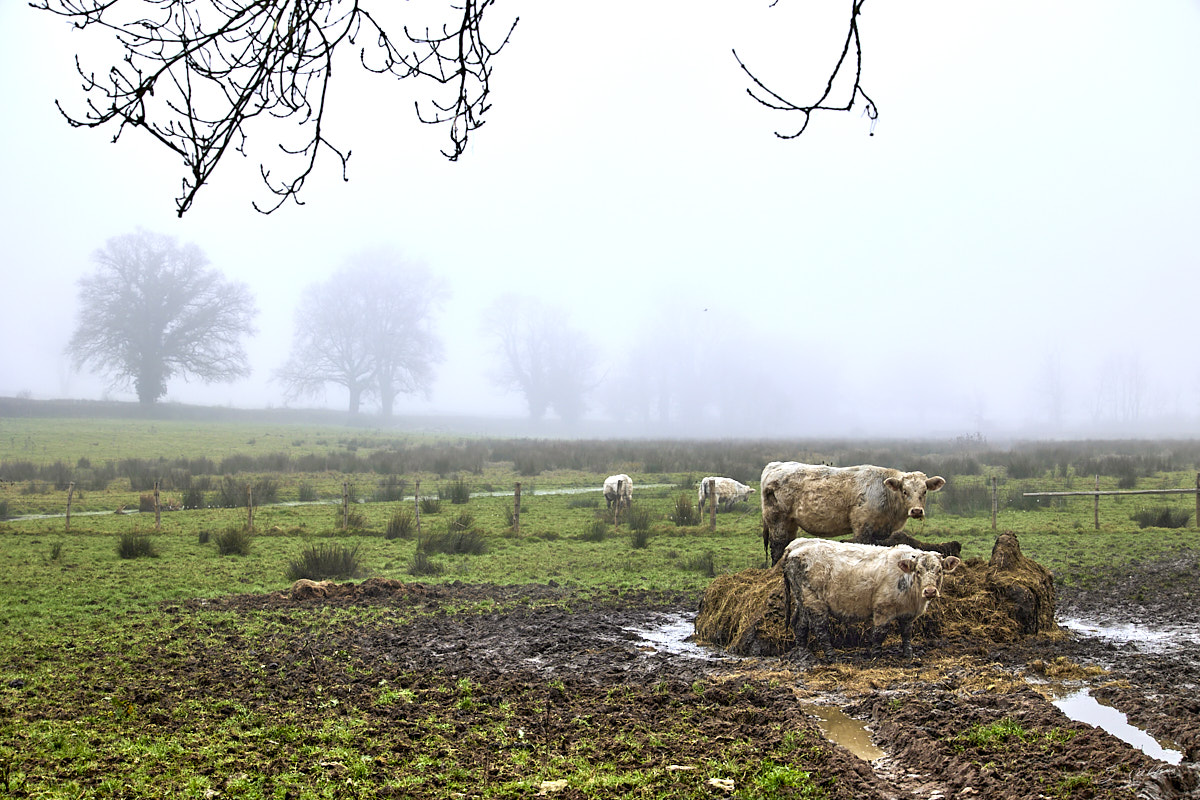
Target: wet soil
<point>966,719</point>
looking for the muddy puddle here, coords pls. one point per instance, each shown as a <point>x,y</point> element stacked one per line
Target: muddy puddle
<point>1146,638</point>
<point>673,634</point>
<point>844,730</point>
<point>1082,707</point>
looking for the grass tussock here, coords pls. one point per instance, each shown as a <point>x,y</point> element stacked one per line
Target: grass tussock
<point>233,541</point>
<point>325,561</point>
<point>136,545</point>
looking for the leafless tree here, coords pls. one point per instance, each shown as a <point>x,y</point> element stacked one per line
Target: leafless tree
<point>199,75</point>
<point>369,328</point>
<point>152,311</point>
<point>541,356</point>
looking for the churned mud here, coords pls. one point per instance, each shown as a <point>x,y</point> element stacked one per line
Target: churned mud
<point>969,718</point>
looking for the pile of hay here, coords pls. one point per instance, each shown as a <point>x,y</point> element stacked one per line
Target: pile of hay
<point>998,600</point>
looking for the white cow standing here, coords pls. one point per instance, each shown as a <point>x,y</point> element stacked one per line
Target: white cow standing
<point>618,488</point>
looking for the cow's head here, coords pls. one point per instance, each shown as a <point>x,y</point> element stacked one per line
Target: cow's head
<point>924,571</point>
<point>911,488</point>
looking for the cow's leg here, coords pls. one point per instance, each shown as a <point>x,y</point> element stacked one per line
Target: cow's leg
<point>819,623</point>
<point>878,634</point>
<point>797,617</point>
<point>906,626</point>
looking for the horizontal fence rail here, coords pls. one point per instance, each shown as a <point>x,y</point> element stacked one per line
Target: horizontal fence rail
<point>1097,492</point>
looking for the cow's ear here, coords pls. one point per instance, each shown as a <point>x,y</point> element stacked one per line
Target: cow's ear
<point>895,484</point>
<point>907,564</point>
<point>935,483</point>
<point>951,563</point>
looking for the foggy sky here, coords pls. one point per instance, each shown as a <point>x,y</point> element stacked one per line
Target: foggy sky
<point>1013,251</point>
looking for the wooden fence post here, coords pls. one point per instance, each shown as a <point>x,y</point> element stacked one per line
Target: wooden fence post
<point>1096,503</point>
<point>995,502</point>
<point>71,493</point>
<point>345,505</point>
<point>618,504</point>
<point>517,509</point>
<point>157,510</point>
<point>249,507</point>
<point>1198,499</point>
<point>712,503</point>
<point>417,507</point>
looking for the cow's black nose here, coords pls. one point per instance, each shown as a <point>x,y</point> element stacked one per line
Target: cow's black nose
<point>916,513</point>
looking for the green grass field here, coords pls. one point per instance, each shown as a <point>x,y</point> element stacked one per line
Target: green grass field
<point>69,597</point>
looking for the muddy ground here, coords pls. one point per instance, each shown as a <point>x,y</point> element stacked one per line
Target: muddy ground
<point>611,674</point>
<point>925,716</point>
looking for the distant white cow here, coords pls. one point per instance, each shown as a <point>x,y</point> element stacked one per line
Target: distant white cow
<point>854,582</point>
<point>618,488</point>
<point>727,491</point>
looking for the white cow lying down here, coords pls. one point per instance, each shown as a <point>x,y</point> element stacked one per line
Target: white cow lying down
<point>728,492</point>
<point>854,582</point>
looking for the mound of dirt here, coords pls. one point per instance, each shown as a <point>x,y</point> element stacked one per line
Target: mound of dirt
<point>999,600</point>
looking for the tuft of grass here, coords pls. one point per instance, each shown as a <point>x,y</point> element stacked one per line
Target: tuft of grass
<point>306,493</point>
<point>704,563</point>
<point>422,564</point>
<point>431,505</point>
<point>320,562</point>
<point>1162,517</point>
<point>457,492</point>
<point>639,519</point>
<point>233,541</point>
<point>640,538</point>
<point>136,545</point>
<point>401,525</point>
<point>454,542</point>
<point>596,531</point>
<point>685,514</point>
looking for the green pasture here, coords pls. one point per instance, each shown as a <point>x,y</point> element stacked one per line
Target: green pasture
<point>73,609</point>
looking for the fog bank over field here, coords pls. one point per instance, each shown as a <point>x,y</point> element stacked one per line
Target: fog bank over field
<point>1004,256</point>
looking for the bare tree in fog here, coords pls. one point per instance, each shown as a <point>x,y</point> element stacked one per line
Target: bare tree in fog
<point>152,311</point>
<point>194,75</point>
<point>1122,390</point>
<point>369,329</point>
<point>541,356</point>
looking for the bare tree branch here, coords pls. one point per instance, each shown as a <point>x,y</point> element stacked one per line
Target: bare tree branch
<point>196,73</point>
<point>773,100</point>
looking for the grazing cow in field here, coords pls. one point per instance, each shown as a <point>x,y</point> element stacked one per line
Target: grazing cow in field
<point>727,491</point>
<point>854,582</point>
<point>618,488</point>
<point>871,503</point>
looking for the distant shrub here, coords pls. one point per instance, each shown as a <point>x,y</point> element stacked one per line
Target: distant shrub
<point>401,525</point>
<point>193,498</point>
<point>596,531</point>
<point>688,482</point>
<point>457,492</point>
<point>233,541</point>
<point>431,505</point>
<point>422,564</point>
<point>136,545</point>
<point>685,513</point>
<point>962,500</point>
<point>204,537</point>
<point>320,562</point>
<point>1163,517</point>
<point>306,493</point>
<point>146,503</point>
<point>390,490</point>
<point>3,509</point>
